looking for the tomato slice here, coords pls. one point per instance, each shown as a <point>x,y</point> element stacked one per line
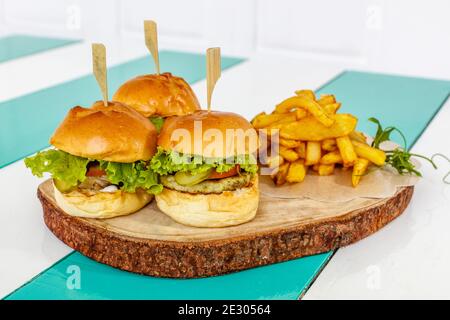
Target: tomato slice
<point>220,175</point>
<point>95,171</point>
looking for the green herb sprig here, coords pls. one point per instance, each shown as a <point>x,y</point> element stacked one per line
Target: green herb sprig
<point>440,155</point>
<point>399,158</point>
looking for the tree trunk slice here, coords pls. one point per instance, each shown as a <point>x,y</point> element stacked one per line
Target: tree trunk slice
<point>151,243</point>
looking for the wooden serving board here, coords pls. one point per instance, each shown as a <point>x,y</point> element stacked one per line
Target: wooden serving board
<point>151,243</point>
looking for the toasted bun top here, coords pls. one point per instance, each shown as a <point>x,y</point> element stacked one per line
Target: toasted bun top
<point>114,133</point>
<point>209,134</point>
<point>158,95</point>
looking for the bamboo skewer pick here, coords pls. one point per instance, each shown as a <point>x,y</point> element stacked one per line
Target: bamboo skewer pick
<point>99,69</point>
<point>151,41</point>
<point>213,70</point>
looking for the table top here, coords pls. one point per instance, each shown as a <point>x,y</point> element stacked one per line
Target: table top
<point>407,259</point>
<point>15,46</point>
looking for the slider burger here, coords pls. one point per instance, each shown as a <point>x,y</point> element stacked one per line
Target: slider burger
<point>207,165</point>
<point>157,96</point>
<point>99,167</point>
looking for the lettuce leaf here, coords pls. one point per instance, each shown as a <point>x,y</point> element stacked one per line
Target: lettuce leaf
<point>61,165</point>
<point>164,162</point>
<point>131,176</point>
<point>157,122</point>
<point>72,169</point>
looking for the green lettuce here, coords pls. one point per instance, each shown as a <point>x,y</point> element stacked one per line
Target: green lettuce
<point>157,122</point>
<point>61,165</point>
<point>130,176</point>
<point>72,169</point>
<point>164,162</point>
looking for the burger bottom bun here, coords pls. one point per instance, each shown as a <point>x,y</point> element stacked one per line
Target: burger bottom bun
<point>102,204</point>
<point>228,208</point>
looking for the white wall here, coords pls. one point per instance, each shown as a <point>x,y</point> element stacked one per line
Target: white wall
<point>398,36</point>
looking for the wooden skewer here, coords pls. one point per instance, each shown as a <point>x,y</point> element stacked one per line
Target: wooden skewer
<point>213,70</point>
<point>99,69</point>
<point>151,41</point>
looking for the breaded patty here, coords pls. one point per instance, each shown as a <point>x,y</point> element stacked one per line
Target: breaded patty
<point>210,186</point>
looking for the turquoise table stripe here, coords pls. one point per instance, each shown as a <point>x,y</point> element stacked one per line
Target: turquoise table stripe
<point>17,46</point>
<point>387,97</point>
<point>27,122</point>
<point>404,102</point>
<point>98,281</point>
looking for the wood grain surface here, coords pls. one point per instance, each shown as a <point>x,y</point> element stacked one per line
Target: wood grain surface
<point>151,243</point>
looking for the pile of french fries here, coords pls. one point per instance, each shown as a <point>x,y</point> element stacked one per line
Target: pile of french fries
<point>313,136</point>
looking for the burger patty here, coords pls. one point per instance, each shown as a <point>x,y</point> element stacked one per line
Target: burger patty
<point>94,183</point>
<point>210,186</point>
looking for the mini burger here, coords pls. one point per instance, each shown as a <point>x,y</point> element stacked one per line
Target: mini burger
<point>100,164</point>
<point>207,165</point>
<point>157,96</point>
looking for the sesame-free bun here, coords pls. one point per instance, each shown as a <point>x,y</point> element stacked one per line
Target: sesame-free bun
<point>222,134</point>
<point>158,95</point>
<point>213,135</point>
<point>101,205</point>
<point>225,209</point>
<point>114,133</point>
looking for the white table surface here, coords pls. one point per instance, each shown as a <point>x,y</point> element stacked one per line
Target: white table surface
<point>26,246</point>
<point>410,257</point>
<point>407,259</point>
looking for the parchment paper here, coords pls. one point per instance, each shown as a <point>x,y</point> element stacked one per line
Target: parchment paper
<point>378,183</point>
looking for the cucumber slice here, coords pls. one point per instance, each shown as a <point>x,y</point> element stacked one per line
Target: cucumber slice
<point>187,179</point>
<point>62,186</point>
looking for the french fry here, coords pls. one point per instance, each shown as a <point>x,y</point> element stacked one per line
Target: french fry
<point>313,153</point>
<point>310,129</point>
<point>332,107</point>
<point>257,116</point>
<point>365,151</point>
<point>332,157</point>
<point>357,136</point>
<point>308,93</point>
<point>288,143</point>
<point>308,104</point>
<point>329,144</point>
<point>288,154</point>
<point>286,105</point>
<point>301,150</point>
<point>275,161</point>
<point>359,169</point>
<point>296,172</point>
<point>300,113</point>
<point>326,169</point>
<point>264,120</point>
<point>288,118</point>
<point>280,176</point>
<point>345,147</point>
<point>326,99</point>
<point>311,134</point>
<point>269,133</point>
<point>257,121</point>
